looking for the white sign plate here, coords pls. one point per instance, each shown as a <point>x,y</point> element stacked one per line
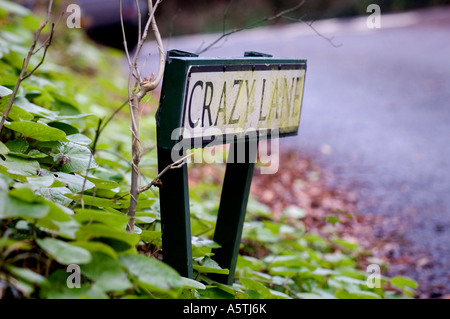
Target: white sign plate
<point>241,98</point>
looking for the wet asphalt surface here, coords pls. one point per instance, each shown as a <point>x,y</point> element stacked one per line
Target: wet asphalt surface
<point>376,114</point>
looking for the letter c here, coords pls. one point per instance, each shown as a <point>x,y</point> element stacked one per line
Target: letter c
<point>191,123</point>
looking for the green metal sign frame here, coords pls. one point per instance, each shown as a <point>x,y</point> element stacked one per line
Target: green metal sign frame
<point>174,193</point>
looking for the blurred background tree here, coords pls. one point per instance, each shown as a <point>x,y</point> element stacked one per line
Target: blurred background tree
<point>178,17</point>
<point>100,18</point>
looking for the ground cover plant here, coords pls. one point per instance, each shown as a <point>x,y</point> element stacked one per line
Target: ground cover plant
<point>65,177</point>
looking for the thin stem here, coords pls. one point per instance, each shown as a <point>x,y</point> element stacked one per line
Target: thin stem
<point>134,97</point>
<point>23,73</point>
<point>174,165</point>
<point>251,26</point>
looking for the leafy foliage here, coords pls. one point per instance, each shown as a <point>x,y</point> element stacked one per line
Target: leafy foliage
<point>60,204</point>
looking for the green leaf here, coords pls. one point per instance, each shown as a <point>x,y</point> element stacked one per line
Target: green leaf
<point>55,194</point>
<point>38,131</point>
<point>402,282</point>
<point>39,181</point>
<point>150,236</point>
<point>145,218</point>
<point>56,288</point>
<point>74,158</point>
<point>152,274</point>
<point>96,247</point>
<point>3,149</point>
<point>332,219</point>
<point>188,283</point>
<point>356,294</point>
<point>106,272</point>
<point>120,240</point>
<point>308,295</point>
<point>15,113</point>
<point>103,183</point>
<point>231,291</point>
<point>24,194</point>
<point>58,212</point>
<point>11,207</point>
<point>350,246</point>
<point>79,139</point>
<point>18,167</point>
<point>288,271</point>
<point>32,108</point>
<point>74,182</point>
<point>58,221</point>
<point>202,247</point>
<point>63,252</point>
<point>66,229</point>
<point>68,129</point>
<point>15,8</point>
<point>4,91</point>
<point>202,242</point>
<point>210,266</point>
<point>288,261</point>
<point>249,262</point>
<point>257,287</point>
<point>26,274</point>
<point>114,220</point>
<point>31,154</point>
<point>97,201</point>
<point>17,145</point>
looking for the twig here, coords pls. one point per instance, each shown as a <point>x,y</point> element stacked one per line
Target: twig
<point>251,26</point>
<point>23,73</point>
<point>154,182</point>
<point>111,117</point>
<point>310,24</point>
<point>174,165</point>
<point>125,44</point>
<point>47,44</point>
<point>282,14</point>
<point>135,95</point>
<point>97,134</point>
<point>225,15</point>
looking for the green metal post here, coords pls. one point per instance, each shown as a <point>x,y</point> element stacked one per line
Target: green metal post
<point>232,209</point>
<point>175,217</point>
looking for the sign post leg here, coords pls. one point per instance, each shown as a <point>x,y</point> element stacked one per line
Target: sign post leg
<point>232,209</point>
<point>175,217</point>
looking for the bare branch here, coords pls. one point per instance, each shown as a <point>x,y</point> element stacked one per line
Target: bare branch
<point>310,24</point>
<point>151,85</point>
<point>150,21</point>
<point>225,15</point>
<point>46,45</point>
<point>251,26</point>
<point>135,96</point>
<point>282,14</point>
<point>174,165</point>
<point>125,44</point>
<point>23,73</point>
<point>139,20</point>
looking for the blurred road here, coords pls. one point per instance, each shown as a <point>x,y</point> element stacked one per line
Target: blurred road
<point>376,113</point>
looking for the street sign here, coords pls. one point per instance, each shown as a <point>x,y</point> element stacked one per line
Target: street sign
<point>211,97</point>
<point>233,99</point>
<point>208,101</point>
